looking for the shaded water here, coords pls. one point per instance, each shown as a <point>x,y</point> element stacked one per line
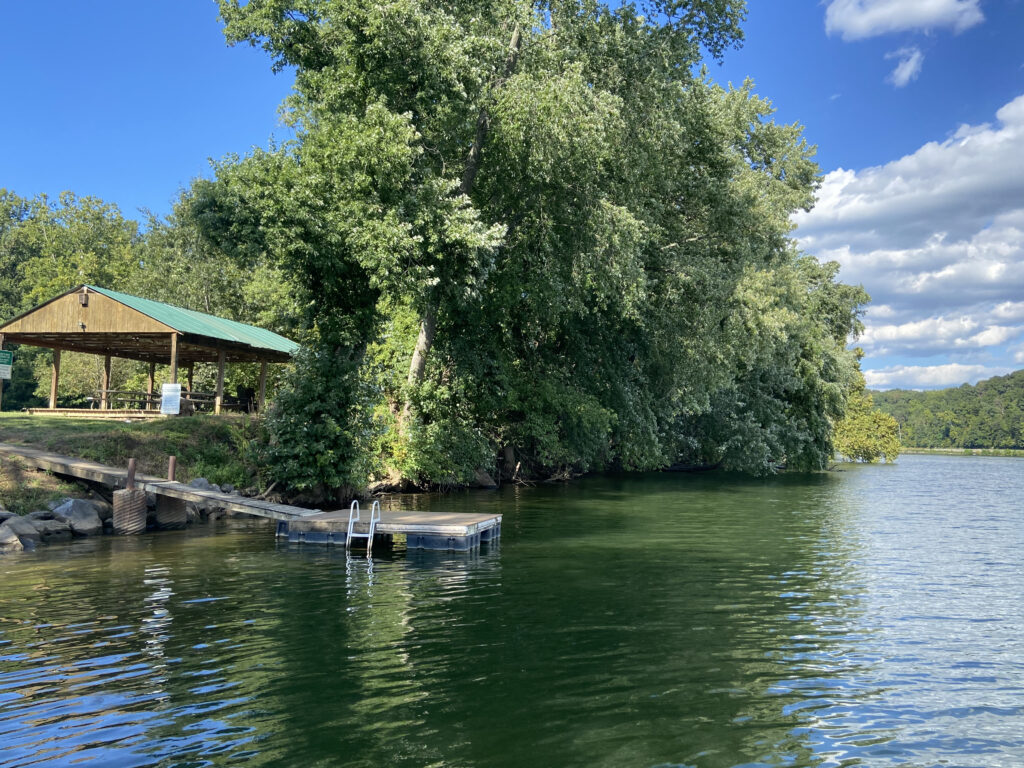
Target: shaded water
<point>873,616</point>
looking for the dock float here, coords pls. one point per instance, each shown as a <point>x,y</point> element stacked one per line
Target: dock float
<point>422,530</point>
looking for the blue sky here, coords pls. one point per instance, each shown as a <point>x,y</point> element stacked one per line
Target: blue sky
<point>916,106</point>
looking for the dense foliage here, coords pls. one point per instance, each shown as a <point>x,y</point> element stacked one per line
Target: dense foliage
<point>48,246</point>
<point>989,414</point>
<point>540,239</point>
<point>527,237</point>
<point>867,433</point>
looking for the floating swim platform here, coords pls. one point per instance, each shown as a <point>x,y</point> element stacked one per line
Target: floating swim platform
<point>422,530</point>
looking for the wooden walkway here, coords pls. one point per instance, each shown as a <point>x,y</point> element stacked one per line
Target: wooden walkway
<point>423,530</point>
<point>118,478</point>
<point>119,414</point>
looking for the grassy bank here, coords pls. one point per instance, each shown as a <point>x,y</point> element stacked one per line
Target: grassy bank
<point>213,447</point>
<point>23,490</point>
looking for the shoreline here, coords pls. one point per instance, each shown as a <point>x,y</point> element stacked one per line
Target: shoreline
<point>1004,452</point>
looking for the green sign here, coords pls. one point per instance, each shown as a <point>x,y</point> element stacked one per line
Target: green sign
<point>6,361</point>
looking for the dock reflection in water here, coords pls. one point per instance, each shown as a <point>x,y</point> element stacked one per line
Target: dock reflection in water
<point>866,617</point>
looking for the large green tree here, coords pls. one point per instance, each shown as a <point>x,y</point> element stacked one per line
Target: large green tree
<point>533,230</point>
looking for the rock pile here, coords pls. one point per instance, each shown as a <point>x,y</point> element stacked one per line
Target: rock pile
<point>68,519</point>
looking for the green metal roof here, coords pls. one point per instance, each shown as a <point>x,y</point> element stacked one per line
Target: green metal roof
<point>201,324</point>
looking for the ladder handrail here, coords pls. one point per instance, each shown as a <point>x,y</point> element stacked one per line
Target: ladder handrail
<point>374,519</point>
<point>354,517</point>
<point>352,510</point>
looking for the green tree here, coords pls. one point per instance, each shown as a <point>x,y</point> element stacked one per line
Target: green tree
<point>47,247</point>
<point>866,433</point>
<point>985,415</point>
<point>526,229</point>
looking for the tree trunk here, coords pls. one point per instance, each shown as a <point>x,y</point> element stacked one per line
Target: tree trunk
<point>428,323</point>
<point>418,366</point>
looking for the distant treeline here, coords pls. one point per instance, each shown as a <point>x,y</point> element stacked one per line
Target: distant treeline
<point>989,414</point>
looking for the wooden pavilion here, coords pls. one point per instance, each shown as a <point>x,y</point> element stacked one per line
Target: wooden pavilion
<point>103,322</point>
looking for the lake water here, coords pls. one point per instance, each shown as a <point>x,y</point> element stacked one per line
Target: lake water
<point>872,616</point>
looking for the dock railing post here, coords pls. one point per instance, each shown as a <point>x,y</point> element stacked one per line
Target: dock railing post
<point>172,466</point>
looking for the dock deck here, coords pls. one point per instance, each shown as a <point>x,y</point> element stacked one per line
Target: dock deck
<point>423,530</point>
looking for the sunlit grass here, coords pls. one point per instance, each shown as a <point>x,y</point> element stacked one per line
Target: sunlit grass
<point>206,446</point>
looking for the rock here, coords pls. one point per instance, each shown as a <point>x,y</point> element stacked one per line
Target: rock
<point>52,530</point>
<point>104,509</point>
<point>150,499</point>
<point>9,541</point>
<point>56,503</point>
<point>484,480</point>
<point>85,522</point>
<point>83,515</point>
<point>201,483</point>
<point>227,488</point>
<point>192,513</point>
<point>4,514</point>
<point>24,528</point>
<point>47,514</point>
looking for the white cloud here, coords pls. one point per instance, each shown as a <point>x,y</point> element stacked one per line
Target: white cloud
<point>937,239</point>
<point>1010,310</point>
<point>935,335</point>
<point>908,68</point>
<point>859,19</point>
<point>930,376</point>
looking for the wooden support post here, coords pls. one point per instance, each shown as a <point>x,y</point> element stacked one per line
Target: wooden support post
<point>54,378</point>
<point>191,374</point>
<point>220,381</point>
<point>104,399</point>
<point>2,380</point>
<point>174,358</point>
<point>263,386</point>
<point>149,385</point>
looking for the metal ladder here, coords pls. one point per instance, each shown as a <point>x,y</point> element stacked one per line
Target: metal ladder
<point>353,518</point>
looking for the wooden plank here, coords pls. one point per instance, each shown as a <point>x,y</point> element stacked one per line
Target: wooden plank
<point>262,398</point>
<point>219,398</point>
<point>67,315</point>
<point>104,402</point>
<point>93,413</point>
<point>174,358</point>
<point>229,501</point>
<point>3,380</point>
<point>54,378</point>
<point>117,478</point>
